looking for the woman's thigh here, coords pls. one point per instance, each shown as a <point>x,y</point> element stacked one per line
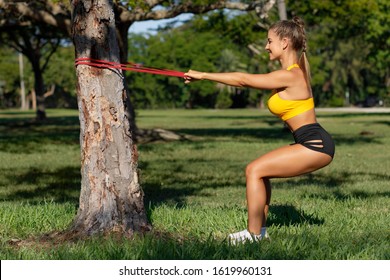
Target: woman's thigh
<point>288,161</point>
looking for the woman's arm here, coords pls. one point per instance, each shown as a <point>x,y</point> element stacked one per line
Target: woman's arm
<point>276,79</point>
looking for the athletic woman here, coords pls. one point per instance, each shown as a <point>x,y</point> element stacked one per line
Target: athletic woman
<point>292,101</point>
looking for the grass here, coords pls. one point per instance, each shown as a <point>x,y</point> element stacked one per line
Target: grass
<point>195,189</point>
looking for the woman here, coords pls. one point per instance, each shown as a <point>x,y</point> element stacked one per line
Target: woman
<point>292,101</point>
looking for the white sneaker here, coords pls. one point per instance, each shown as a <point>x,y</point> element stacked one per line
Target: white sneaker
<point>243,237</point>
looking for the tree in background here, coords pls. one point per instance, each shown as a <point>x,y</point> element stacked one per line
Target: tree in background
<point>38,43</point>
<point>36,40</point>
<point>348,46</point>
<point>217,41</point>
<point>56,14</point>
<point>170,48</point>
<point>61,72</point>
<point>9,78</point>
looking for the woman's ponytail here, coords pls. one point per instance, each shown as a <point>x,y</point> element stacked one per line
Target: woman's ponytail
<point>303,61</point>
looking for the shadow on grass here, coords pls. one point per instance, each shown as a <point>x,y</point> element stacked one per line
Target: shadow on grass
<point>356,139</point>
<point>276,133</point>
<point>155,194</point>
<point>174,246</point>
<point>32,122</point>
<point>175,190</point>
<point>383,122</point>
<point>261,133</point>
<point>283,215</point>
<point>61,185</point>
<point>353,115</point>
<point>29,136</point>
<point>20,135</point>
<point>338,195</point>
<point>332,181</point>
<point>151,246</point>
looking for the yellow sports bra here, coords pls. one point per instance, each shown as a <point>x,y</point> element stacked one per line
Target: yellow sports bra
<point>286,109</point>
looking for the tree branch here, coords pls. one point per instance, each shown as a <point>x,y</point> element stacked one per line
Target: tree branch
<point>58,15</point>
<point>140,14</point>
<point>50,91</point>
<point>53,14</point>
<point>53,49</point>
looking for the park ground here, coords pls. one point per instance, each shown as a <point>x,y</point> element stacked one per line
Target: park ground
<point>195,188</point>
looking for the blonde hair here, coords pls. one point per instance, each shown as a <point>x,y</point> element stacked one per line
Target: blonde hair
<point>294,30</point>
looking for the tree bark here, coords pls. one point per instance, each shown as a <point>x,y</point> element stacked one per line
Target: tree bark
<point>282,10</point>
<point>39,88</point>
<point>111,197</point>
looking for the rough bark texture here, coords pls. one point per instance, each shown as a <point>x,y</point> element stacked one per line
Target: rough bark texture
<point>111,198</point>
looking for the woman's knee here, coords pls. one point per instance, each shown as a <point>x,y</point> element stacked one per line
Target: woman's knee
<point>253,170</point>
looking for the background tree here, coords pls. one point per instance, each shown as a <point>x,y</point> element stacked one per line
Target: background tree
<point>38,43</point>
<point>36,40</point>
<point>56,14</point>
<point>129,12</point>
<point>61,73</point>
<point>9,78</point>
<point>348,48</point>
<point>217,41</point>
<point>167,50</point>
<point>348,45</point>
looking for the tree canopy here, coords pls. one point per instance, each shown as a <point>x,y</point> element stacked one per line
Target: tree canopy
<point>348,51</point>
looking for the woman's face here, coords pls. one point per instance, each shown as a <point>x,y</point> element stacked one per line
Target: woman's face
<point>274,45</point>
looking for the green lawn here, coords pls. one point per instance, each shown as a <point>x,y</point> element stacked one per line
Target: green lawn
<point>195,189</point>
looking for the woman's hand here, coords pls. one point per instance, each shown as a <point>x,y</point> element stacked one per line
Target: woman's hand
<point>193,76</point>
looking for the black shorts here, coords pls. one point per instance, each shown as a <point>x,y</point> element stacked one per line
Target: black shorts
<point>315,138</point>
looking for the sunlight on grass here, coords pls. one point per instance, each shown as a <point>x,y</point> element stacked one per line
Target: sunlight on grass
<point>195,189</point>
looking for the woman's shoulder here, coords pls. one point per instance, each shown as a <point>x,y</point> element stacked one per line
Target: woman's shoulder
<point>291,77</point>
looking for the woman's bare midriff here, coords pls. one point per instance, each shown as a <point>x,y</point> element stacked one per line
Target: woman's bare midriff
<point>305,118</point>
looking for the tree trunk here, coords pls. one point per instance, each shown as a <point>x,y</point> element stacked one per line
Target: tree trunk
<point>122,32</point>
<point>23,103</point>
<point>282,10</point>
<point>111,198</point>
<point>39,86</point>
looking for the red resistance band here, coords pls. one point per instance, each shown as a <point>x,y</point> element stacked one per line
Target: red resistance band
<point>129,66</point>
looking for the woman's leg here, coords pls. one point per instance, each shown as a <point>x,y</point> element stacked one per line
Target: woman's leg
<point>287,161</point>
<point>267,184</point>
<point>258,196</point>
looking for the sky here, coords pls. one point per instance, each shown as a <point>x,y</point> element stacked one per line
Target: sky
<point>150,26</point>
